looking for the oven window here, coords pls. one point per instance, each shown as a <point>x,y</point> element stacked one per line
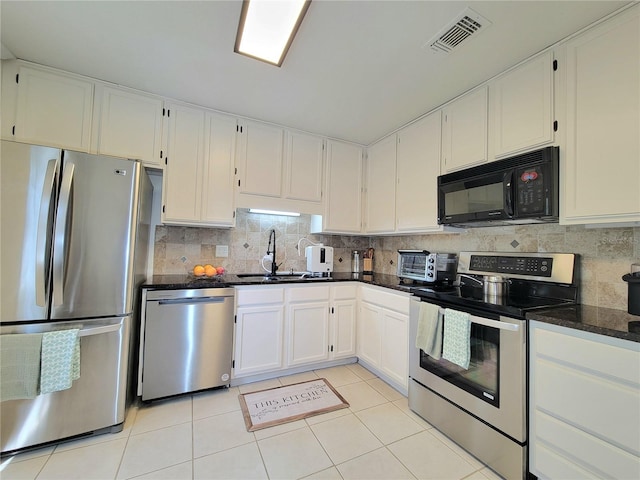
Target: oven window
<point>482,377</point>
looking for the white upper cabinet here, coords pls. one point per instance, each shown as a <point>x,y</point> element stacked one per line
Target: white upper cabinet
<point>464,131</point>
<point>600,170</point>
<point>279,169</point>
<point>199,171</point>
<point>53,109</point>
<point>381,187</point>
<point>343,203</point>
<point>418,167</point>
<point>521,107</point>
<point>304,157</point>
<point>218,202</point>
<point>130,124</point>
<point>260,159</point>
<point>182,187</point>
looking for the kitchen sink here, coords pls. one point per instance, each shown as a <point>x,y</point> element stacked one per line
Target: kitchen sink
<point>302,276</point>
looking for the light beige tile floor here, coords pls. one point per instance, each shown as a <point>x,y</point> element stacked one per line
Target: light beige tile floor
<point>203,436</point>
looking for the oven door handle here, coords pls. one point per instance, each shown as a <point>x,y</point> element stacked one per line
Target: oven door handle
<point>512,327</point>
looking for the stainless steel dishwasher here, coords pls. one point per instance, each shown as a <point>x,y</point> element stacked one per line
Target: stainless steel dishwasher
<point>188,340</point>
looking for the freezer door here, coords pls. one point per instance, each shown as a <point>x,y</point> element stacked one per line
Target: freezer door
<point>95,403</point>
<point>94,236</point>
<point>29,177</point>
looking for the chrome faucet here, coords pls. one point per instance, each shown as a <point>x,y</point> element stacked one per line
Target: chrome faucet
<point>274,266</point>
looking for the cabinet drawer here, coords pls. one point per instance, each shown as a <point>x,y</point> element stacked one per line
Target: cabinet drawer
<point>378,296</point>
<point>345,292</point>
<point>551,465</point>
<point>576,443</point>
<point>618,362</point>
<point>308,293</point>
<point>259,296</point>
<point>600,405</point>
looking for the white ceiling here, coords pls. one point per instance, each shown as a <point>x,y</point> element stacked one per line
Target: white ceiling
<point>356,70</point>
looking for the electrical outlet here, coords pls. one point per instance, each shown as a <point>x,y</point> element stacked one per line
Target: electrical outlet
<point>222,251</point>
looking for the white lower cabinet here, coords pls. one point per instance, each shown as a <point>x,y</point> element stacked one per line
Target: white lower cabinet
<point>383,334</point>
<point>342,332</point>
<point>259,336</point>
<point>584,404</point>
<point>307,324</point>
<point>288,326</point>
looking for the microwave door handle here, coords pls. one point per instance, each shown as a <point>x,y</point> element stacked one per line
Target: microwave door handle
<point>509,190</point>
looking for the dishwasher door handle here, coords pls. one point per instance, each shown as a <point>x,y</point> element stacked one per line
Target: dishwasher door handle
<point>190,301</point>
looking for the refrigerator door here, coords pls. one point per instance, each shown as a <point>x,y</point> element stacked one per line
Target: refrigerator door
<point>94,404</point>
<point>28,185</point>
<point>94,237</point>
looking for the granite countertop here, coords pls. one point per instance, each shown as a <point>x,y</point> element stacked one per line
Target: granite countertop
<point>168,282</point>
<point>603,321</point>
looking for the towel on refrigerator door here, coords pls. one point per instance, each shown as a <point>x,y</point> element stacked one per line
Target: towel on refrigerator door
<point>19,366</point>
<point>60,360</point>
<point>456,344</point>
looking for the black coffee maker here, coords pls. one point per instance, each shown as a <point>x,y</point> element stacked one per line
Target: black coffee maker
<point>633,279</point>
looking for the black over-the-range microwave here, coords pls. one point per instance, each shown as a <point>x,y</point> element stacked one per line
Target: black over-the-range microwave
<point>517,190</point>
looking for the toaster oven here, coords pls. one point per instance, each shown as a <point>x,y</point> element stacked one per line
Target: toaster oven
<point>424,266</point>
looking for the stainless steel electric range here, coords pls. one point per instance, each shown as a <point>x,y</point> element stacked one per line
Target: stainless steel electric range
<point>483,407</point>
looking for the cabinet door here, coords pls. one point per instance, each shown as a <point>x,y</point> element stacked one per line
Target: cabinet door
<point>343,207</point>
<point>259,339</point>
<point>381,186</point>
<point>130,125</point>
<point>261,159</point>
<point>370,334</point>
<point>584,396</point>
<point>418,167</point>
<point>464,131</point>
<point>183,169</point>
<point>394,357</point>
<point>218,205</point>
<point>522,107</point>
<point>308,325</point>
<point>602,163</point>
<point>343,321</point>
<point>53,109</point>
<point>303,167</point>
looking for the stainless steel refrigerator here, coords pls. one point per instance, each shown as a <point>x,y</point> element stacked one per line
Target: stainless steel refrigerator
<point>73,241</point>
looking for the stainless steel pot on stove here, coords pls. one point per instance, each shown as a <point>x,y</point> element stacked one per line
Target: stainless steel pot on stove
<point>494,287</point>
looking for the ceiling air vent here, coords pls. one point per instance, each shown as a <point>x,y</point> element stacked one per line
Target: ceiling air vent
<point>466,25</point>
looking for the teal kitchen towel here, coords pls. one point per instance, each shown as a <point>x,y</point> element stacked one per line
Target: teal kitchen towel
<point>19,365</point>
<point>457,342</point>
<point>429,336</point>
<point>60,364</point>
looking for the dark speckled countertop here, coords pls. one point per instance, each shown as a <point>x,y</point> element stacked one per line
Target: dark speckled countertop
<point>604,321</point>
<point>167,282</point>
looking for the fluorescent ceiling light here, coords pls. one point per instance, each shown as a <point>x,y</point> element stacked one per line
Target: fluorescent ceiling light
<point>267,28</point>
<point>273,212</point>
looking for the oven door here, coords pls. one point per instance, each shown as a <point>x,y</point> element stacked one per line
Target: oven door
<point>493,388</point>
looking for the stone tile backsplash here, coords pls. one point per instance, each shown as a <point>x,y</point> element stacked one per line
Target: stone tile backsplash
<point>605,253</point>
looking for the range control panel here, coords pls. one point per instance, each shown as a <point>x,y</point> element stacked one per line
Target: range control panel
<point>531,266</point>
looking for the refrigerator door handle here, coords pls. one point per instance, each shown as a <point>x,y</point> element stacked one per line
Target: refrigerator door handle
<point>43,233</point>
<point>60,234</point>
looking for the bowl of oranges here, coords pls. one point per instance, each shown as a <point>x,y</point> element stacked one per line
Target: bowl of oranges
<point>207,271</point>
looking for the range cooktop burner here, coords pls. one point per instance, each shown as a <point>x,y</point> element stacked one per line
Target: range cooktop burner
<point>473,298</point>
